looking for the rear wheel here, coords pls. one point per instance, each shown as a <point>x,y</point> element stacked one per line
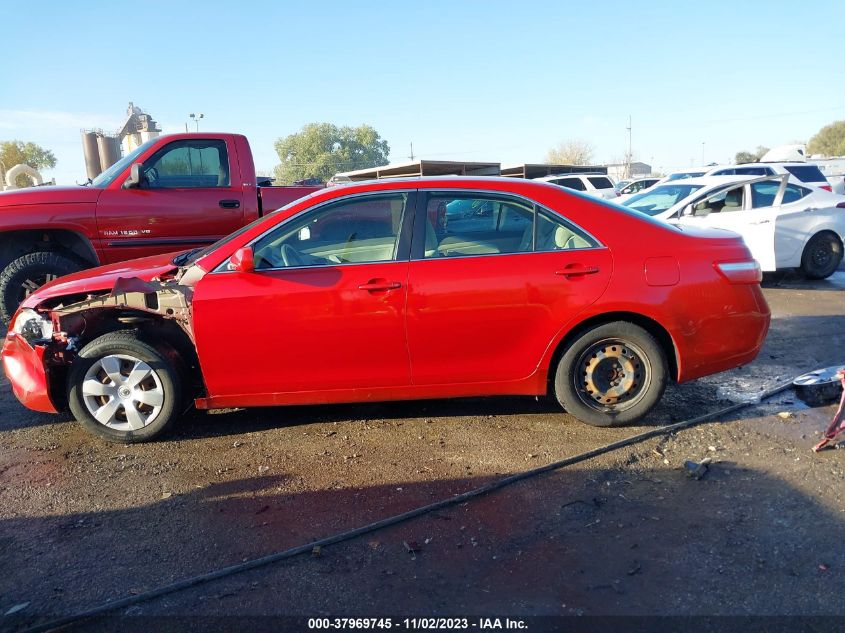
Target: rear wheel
<point>611,375</point>
<point>821,256</point>
<point>26,274</point>
<point>123,389</point>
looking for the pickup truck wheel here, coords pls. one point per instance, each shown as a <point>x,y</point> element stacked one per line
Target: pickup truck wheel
<point>124,390</point>
<point>611,375</point>
<point>26,274</point>
<point>821,256</point>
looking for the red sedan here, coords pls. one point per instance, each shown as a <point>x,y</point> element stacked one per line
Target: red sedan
<point>353,294</point>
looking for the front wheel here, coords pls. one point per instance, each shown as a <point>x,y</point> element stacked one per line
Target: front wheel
<point>26,274</point>
<point>611,375</point>
<point>123,389</point>
<point>821,256</point>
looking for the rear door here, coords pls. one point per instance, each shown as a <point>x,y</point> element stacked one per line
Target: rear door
<point>191,197</point>
<point>483,308</point>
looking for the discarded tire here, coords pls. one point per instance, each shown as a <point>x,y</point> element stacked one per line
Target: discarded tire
<point>819,387</point>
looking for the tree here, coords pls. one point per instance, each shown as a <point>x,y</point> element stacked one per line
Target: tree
<point>320,150</point>
<point>19,153</point>
<point>572,152</point>
<point>750,157</point>
<point>829,141</point>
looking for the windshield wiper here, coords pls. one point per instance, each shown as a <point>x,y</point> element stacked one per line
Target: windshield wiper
<point>181,258</point>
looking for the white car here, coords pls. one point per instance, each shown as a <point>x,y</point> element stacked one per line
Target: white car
<point>805,172</point>
<point>696,172</point>
<point>634,187</point>
<point>598,185</point>
<point>785,224</point>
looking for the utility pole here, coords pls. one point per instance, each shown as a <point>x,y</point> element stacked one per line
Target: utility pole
<point>411,157</point>
<point>628,161</point>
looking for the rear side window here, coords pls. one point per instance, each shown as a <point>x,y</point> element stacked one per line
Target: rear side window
<point>806,173</point>
<point>599,182</point>
<point>556,234</point>
<point>794,193</point>
<point>570,183</point>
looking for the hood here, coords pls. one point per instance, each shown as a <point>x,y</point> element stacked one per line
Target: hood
<point>102,278</point>
<point>49,194</point>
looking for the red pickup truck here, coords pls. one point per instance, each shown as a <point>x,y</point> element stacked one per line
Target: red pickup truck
<point>172,193</point>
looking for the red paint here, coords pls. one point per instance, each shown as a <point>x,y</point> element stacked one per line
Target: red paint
<point>26,365</point>
<point>477,325</point>
<point>119,224</point>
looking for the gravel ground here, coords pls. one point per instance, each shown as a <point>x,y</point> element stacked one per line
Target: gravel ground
<point>83,522</point>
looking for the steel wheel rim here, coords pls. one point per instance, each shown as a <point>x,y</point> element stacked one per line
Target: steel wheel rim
<point>33,283</point>
<point>612,375</point>
<point>122,393</point>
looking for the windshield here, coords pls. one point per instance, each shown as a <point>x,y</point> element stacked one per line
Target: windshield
<point>189,257</point>
<point>656,200</point>
<point>107,177</point>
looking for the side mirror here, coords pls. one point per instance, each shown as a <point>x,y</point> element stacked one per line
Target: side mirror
<point>242,261</point>
<point>136,177</point>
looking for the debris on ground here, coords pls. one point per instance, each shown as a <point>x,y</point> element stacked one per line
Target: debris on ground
<point>837,424</point>
<point>785,415</point>
<point>316,551</point>
<point>412,548</point>
<point>16,608</point>
<point>697,470</point>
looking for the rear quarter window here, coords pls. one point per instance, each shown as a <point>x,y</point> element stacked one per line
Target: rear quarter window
<point>570,183</point>
<point>793,193</point>
<point>599,182</point>
<point>806,173</point>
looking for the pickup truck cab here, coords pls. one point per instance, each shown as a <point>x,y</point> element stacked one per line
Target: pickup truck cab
<point>172,193</point>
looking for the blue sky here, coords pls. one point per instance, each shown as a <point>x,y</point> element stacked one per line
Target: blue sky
<point>502,81</point>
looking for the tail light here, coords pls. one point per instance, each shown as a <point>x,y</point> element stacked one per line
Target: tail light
<point>744,272</point>
<point>826,187</point>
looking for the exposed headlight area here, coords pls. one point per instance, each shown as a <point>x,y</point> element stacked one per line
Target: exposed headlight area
<point>32,326</point>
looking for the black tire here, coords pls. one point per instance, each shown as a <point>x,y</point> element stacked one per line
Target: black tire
<point>165,378</point>
<point>822,256</point>
<point>25,274</point>
<point>611,375</point>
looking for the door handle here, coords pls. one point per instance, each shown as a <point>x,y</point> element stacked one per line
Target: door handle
<point>230,204</point>
<point>577,270</point>
<point>375,285</point>
<point>761,222</point>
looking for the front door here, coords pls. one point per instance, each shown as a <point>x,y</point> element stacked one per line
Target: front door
<point>323,314</point>
<point>188,198</point>
<point>489,290</point>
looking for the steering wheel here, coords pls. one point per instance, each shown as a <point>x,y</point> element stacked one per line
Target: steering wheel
<point>291,256</point>
<point>151,176</point>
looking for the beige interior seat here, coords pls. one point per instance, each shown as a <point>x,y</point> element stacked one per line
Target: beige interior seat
<point>566,239</point>
<point>733,200</point>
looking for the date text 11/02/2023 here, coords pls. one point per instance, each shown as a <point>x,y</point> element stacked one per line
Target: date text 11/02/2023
<point>414,624</point>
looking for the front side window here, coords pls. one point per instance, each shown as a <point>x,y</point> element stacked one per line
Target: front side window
<point>763,194</point>
<point>724,201</point>
<point>358,230</point>
<point>190,164</point>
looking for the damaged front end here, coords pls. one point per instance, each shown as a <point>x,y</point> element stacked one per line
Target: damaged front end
<point>43,341</point>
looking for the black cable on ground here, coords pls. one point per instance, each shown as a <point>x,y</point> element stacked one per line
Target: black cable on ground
<point>399,518</point>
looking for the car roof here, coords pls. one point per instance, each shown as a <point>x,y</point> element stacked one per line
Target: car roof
<point>580,173</point>
<point>706,181</point>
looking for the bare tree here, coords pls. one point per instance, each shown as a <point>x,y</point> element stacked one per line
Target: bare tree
<point>571,152</point>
